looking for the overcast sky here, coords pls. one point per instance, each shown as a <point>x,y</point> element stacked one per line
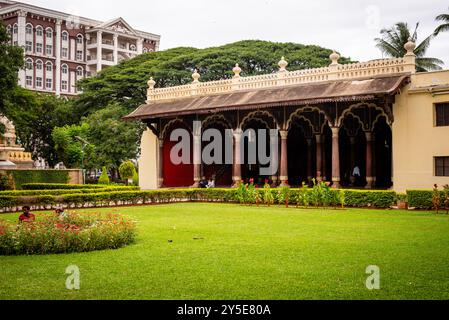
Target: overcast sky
<point>348,26</point>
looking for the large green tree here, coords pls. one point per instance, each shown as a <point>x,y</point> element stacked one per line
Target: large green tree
<point>444,26</point>
<point>393,41</point>
<point>11,60</point>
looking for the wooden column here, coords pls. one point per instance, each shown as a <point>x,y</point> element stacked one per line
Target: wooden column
<point>335,157</point>
<point>161,163</point>
<point>319,157</point>
<point>284,158</point>
<point>309,159</point>
<point>237,165</point>
<point>369,160</point>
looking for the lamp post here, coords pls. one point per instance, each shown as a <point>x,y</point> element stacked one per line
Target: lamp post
<point>84,143</point>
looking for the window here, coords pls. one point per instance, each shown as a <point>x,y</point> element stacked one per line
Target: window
<point>28,46</point>
<point>49,84</point>
<point>65,36</point>
<point>29,64</point>
<point>29,81</point>
<point>38,65</point>
<point>132,48</point>
<point>38,47</point>
<point>29,29</point>
<point>64,85</point>
<point>80,72</point>
<point>442,114</point>
<point>39,31</point>
<point>442,166</point>
<point>64,69</point>
<point>49,49</point>
<point>15,29</point>
<point>49,33</point>
<point>39,82</point>
<point>9,29</point>
<point>64,52</point>
<point>79,39</point>
<point>79,55</point>
<point>49,67</point>
<point>145,50</point>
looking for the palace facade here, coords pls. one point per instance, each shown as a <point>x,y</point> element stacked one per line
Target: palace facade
<point>380,118</point>
<point>61,48</point>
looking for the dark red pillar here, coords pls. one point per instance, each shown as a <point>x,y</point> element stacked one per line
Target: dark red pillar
<point>284,158</point>
<point>237,166</point>
<point>319,159</point>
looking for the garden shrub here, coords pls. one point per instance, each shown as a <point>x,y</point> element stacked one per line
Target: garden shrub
<point>104,178</point>
<point>420,199</point>
<point>127,170</point>
<point>60,186</point>
<point>21,177</point>
<point>76,233</point>
<point>371,198</point>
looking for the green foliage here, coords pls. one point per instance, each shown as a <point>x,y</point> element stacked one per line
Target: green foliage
<point>284,195</point>
<point>268,197</point>
<point>444,26</point>
<point>75,233</point>
<point>302,196</point>
<point>58,186</point>
<point>127,170</point>
<point>393,41</point>
<point>11,61</point>
<point>136,178</point>
<point>70,148</point>
<point>242,193</point>
<point>6,182</point>
<point>104,178</point>
<point>371,198</point>
<point>435,199</point>
<point>115,140</point>
<point>22,178</point>
<point>34,116</point>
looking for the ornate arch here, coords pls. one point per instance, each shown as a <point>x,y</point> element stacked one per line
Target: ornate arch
<point>353,107</point>
<point>216,118</point>
<point>308,108</point>
<point>167,126</point>
<point>307,133</point>
<point>357,119</point>
<point>259,114</point>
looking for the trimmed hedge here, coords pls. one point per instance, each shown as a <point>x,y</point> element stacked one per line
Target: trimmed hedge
<point>57,192</point>
<point>22,177</point>
<point>106,197</point>
<point>421,199</point>
<point>60,186</point>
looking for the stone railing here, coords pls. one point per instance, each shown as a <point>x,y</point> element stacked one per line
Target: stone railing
<point>19,156</point>
<point>334,71</point>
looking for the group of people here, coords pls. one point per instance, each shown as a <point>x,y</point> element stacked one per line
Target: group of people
<point>27,216</point>
<point>207,184</point>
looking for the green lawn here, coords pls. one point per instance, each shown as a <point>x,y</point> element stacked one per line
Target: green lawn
<point>236,252</point>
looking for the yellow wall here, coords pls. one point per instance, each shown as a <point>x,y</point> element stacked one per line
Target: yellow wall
<point>148,178</point>
<point>416,139</point>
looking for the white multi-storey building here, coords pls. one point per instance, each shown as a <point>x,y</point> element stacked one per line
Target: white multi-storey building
<point>61,48</point>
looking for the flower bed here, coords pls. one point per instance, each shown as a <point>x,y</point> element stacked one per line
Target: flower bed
<point>75,233</point>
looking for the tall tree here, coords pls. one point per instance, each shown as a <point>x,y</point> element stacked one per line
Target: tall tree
<point>444,26</point>
<point>11,60</point>
<point>393,41</point>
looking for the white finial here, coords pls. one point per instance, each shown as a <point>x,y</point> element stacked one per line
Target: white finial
<point>334,57</point>
<point>237,70</point>
<point>151,83</point>
<point>410,47</point>
<point>283,64</point>
<point>196,76</point>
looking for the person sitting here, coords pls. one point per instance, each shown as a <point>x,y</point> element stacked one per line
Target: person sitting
<point>203,183</point>
<point>60,213</point>
<point>27,216</point>
<point>211,184</point>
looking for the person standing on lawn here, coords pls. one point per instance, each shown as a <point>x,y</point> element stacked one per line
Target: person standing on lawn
<point>27,216</point>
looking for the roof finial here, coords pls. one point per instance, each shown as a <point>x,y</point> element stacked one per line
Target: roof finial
<point>151,83</point>
<point>410,47</point>
<point>196,76</point>
<point>282,65</point>
<point>334,57</point>
<point>237,70</point>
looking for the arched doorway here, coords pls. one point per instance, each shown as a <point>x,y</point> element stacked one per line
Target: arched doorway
<point>221,172</point>
<point>301,150</point>
<point>176,175</point>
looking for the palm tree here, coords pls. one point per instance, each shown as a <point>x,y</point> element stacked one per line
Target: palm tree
<point>445,25</point>
<point>393,41</point>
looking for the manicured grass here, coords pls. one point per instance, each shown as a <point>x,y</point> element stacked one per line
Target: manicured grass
<point>237,252</point>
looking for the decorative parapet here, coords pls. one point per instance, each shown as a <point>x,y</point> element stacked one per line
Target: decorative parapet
<point>283,77</point>
<point>20,156</point>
